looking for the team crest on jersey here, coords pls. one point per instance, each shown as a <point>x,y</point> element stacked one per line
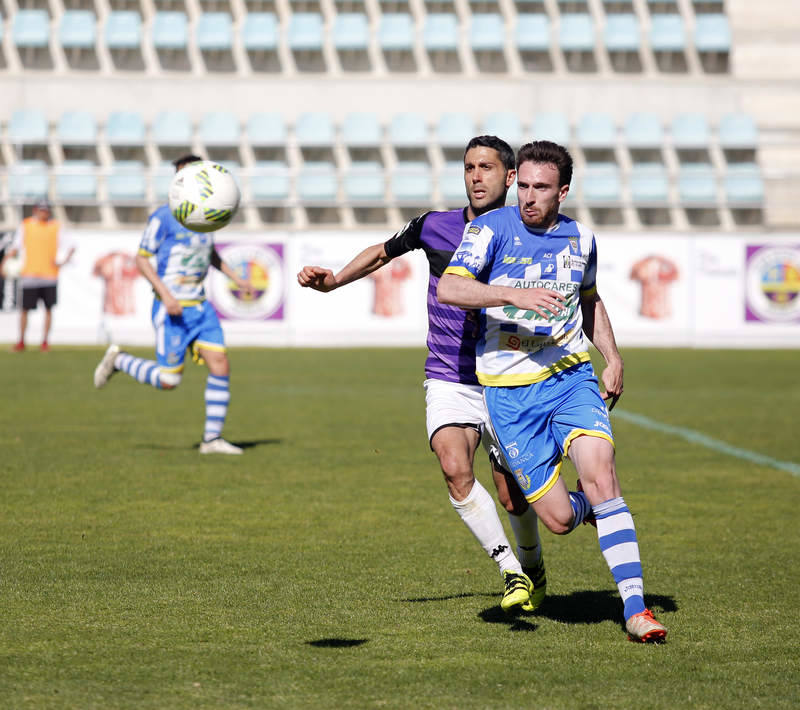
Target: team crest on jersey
<point>573,242</point>
<point>474,229</point>
<point>517,241</point>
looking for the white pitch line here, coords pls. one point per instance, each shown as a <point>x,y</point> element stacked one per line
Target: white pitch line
<point>696,437</point>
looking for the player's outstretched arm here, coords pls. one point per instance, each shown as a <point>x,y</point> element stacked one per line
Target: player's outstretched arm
<point>364,263</point>
<point>467,292</point>
<point>146,269</point>
<point>597,327</point>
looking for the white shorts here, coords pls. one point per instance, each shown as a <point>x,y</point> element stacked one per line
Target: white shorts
<point>455,404</point>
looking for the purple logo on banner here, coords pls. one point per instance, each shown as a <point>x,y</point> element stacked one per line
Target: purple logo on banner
<point>262,265</point>
<point>772,283</point>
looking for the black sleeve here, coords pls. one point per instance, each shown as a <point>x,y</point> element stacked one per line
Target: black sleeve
<point>407,239</point>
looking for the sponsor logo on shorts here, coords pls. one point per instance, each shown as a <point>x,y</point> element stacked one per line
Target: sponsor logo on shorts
<point>512,450</point>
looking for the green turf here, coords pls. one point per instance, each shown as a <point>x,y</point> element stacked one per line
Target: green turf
<point>326,569</point>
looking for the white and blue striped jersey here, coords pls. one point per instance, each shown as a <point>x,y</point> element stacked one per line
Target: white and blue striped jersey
<point>519,347</point>
<point>182,257</point>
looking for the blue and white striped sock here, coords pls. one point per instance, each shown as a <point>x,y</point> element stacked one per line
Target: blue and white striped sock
<point>144,371</point>
<point>217,398</point>
<point>580,506</point>
<point>619,546</point>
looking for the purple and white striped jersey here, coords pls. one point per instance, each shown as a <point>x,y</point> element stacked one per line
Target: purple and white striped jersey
<point>451,336</point>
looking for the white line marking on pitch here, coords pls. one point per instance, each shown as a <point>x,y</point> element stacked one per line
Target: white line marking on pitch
<point>696,437</point>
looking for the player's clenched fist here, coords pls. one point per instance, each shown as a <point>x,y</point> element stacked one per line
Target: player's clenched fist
<point>317,278</point>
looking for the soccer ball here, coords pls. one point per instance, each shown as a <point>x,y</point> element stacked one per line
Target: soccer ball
<point>203,196</point>
<point>12,268</point>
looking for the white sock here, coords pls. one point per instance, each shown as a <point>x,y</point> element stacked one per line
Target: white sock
<point>479,514</point>
<point>526,532</point>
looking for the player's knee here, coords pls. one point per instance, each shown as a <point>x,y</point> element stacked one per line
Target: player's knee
<point>169,380</point>
<point>559,525</point>
<point>456,468</point>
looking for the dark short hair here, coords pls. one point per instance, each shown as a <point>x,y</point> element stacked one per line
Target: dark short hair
<point>503,149</point>
<point>185,160</point>
<point>548,153</point>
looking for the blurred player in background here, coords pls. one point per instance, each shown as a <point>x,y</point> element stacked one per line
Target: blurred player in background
<point>533,271</point>
<point>456,414</point>
<point>182,318</point>
<point>44,248</point>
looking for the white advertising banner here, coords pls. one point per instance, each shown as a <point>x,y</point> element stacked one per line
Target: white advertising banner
<point>705,290</point>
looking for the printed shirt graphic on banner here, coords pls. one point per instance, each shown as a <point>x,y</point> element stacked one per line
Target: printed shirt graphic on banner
<point>183,257</point>
<point>519,347</point>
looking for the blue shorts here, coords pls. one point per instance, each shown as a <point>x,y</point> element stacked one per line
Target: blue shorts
<point>197,327</point>
<point>536,423</point>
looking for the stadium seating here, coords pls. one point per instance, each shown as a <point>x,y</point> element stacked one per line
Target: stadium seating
<point>596,130</point>
<point>440,37</point>
<point>269,182</point>
<point>126,182</point>
<point>172,128</point>
<point>697,185</point>
<point>487,34</point>
<point>601,185</point>
<point>31,29</point>
<point>690,131</point>
<point>28,126</point>
<point>649,185</point>
<point>123,30</point>
<point>76,182</point>
<point>170,30</point>
<point>28,181</point>
<point>305,39</point>
<point>214,32</point>
<point>314,129</point>
<point>260,32</point>
<point>412,184</point>
<point>451,184</point>
<point>505,125</point>
<point>364,184</point>
<point>266,130</point>
<point>317,183</point>
<point>77,128</point>
<point>551,126</point>
<point>219,128</point>
<point>743,185</point>
<point>454,130</point>
<point>125,128</point>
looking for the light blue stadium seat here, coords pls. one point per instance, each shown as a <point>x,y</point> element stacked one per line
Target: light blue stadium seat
<point>123,29</point>
<point>697,185</point>
<point>712,33</point>
<point>576,32</point>
<point>361,129</point>
<point>172,128</point>
<point>27,127</point>
<point>219,128</point>
<point>77,128</point>
<point>743,185</point>
<point>28,180</point>
<point>451,184</point>
<point>214,32</point>
<point>76,181</point>
<point>408,130</point>
<point>125,128</point>
<point>31,28</point>
<point>365,183</point>
<point>351,31</point>
<point>314,129</point>
<point>596,130</point>
<point>532,33</point>
<point>126,182</point>
<point>266,130</point>
<point>622,33</point>
<point>396,32</point>
<point>667,33</point>
<point>737,130</point>
<point>505,125</point>
<point>77,29</point>
<point>411,183</point>
<point>551,126</point>
<point>649,184</point>
<point>440,32</point>
<point>487,32</point>
<point>161,177</point>
<point>454,129</point>
<point>305,31</point>
<point>260,31</point>
<point>601,185</point>
<point>690,130</point>
<point>170,30</point>
<point>317,183</point>
<point>269,181</point>
<point>643,130</point>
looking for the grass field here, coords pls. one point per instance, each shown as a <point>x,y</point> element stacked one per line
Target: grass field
<point>326,569</point>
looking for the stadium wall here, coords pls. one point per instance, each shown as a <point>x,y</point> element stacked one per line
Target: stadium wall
<point>661,290</point>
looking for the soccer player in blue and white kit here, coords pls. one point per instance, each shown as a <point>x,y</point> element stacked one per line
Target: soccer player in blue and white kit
<point>182,318</point>
<point>532,272</point>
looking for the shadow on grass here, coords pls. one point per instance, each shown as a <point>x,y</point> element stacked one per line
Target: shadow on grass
<point>463,595</point>
<point>519,621</point>
<point>177,447</point>
<point>336,643</point>
<point>589,607</point>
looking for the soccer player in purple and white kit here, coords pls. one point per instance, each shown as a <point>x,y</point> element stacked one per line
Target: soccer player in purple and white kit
<point>532,271</point>
<point>456,414</point>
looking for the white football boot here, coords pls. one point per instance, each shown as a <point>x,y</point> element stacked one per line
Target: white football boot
<point>219,446</point>
<point>103,372</point>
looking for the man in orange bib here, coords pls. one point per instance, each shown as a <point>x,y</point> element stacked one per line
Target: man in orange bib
<point>44,249</point>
